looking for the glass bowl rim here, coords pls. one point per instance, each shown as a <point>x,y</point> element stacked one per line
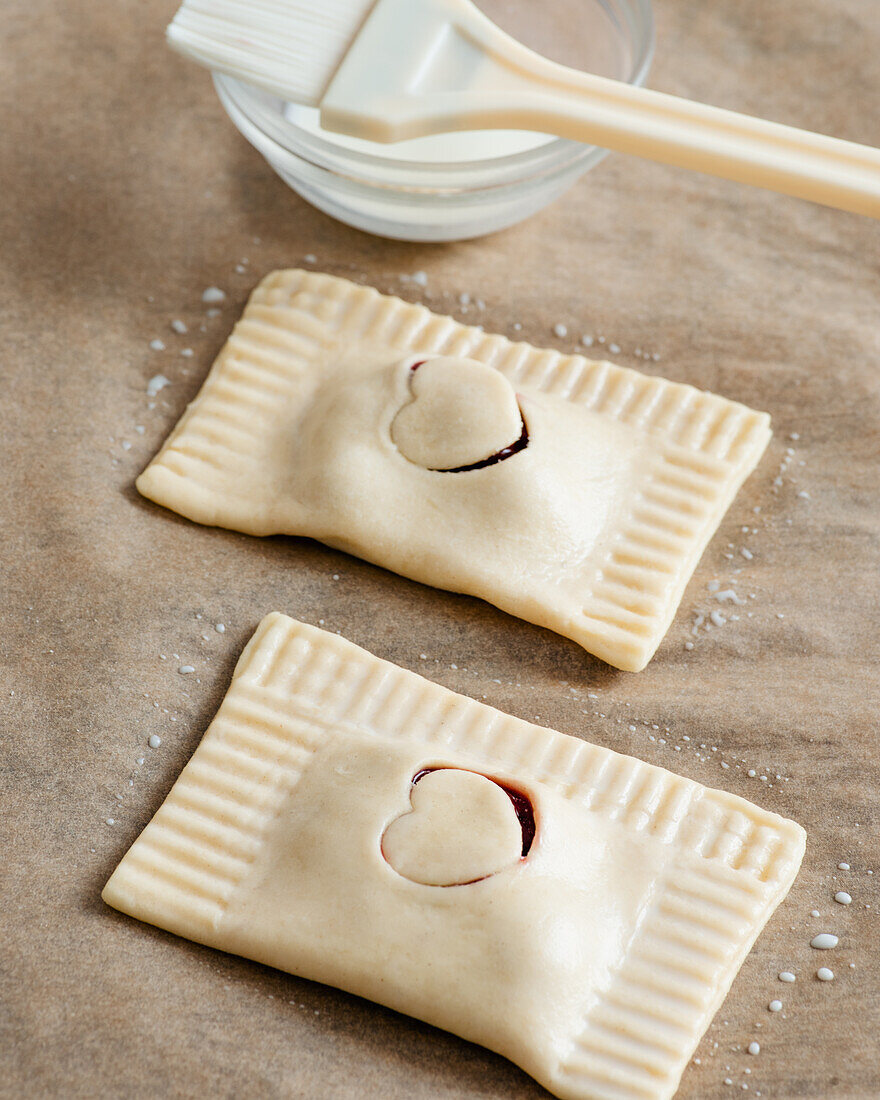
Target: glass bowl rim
<point>373,169</point>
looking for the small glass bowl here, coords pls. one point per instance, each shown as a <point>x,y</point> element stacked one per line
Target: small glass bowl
<point>440,188</point>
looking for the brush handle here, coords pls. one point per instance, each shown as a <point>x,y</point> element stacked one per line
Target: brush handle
<point>706,139</point>
<point>503,85</point>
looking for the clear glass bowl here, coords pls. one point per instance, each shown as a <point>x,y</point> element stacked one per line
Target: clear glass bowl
<point>451,186</point>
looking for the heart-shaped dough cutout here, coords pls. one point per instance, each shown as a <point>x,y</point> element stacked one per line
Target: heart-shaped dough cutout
<point>461,413</point>
<point>462,827</point>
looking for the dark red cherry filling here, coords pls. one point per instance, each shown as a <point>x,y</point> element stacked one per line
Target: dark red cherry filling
<point>493,459</point>
<point>499,456</point>
<point>522,806</point>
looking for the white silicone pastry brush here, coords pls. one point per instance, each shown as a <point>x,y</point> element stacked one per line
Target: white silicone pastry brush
<point>387,70</point>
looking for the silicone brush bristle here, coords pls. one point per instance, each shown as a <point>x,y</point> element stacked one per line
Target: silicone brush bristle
<point>289,47</point>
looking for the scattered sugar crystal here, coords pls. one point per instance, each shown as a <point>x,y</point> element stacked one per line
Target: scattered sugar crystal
<point>464,299</point>
<point>156,383</point>
<point>824,974</point>
<point>111,820</point>
<point>795,436</point>
<point>751,773</point>
<point>220,628</point>
<point>746,553</point>
<point>126,446</point>
<point>815,913</point>
<point>804,495</point>
<point>211,313</point>
<point>310,258</point>
<point>842,897</point>
<point>560,331</point>
<point>786,976</point>
<point>212,295</point>
<point>729,596</point>
<point>185,670</point>
<point>754,1048</point>
<point>775,1006</point>
<point>688,645</point>
<point>187,353</point>
<point>614,348</point>
<point>843,866</point>
<point>717,618</point>
<point>420,278</point>
<point>139,428</point>
<point>587,341</point>
<point>154,741</point>
<point>157,345</point>
<point>179,327</point>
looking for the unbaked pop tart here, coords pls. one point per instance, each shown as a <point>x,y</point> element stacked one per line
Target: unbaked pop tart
<point>580,912</point>
<point>577,495</point>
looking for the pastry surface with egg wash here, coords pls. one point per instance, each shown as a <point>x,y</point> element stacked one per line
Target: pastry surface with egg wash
<point>577,911</point>
<point>577,495</point>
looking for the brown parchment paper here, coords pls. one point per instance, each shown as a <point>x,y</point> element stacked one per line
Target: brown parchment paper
<point>124,192</point>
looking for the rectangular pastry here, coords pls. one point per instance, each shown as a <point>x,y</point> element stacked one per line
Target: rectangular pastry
<point>576,495</point>
<point>343,819</point>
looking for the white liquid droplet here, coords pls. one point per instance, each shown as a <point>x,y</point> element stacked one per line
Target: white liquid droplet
<point>824,941</point>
